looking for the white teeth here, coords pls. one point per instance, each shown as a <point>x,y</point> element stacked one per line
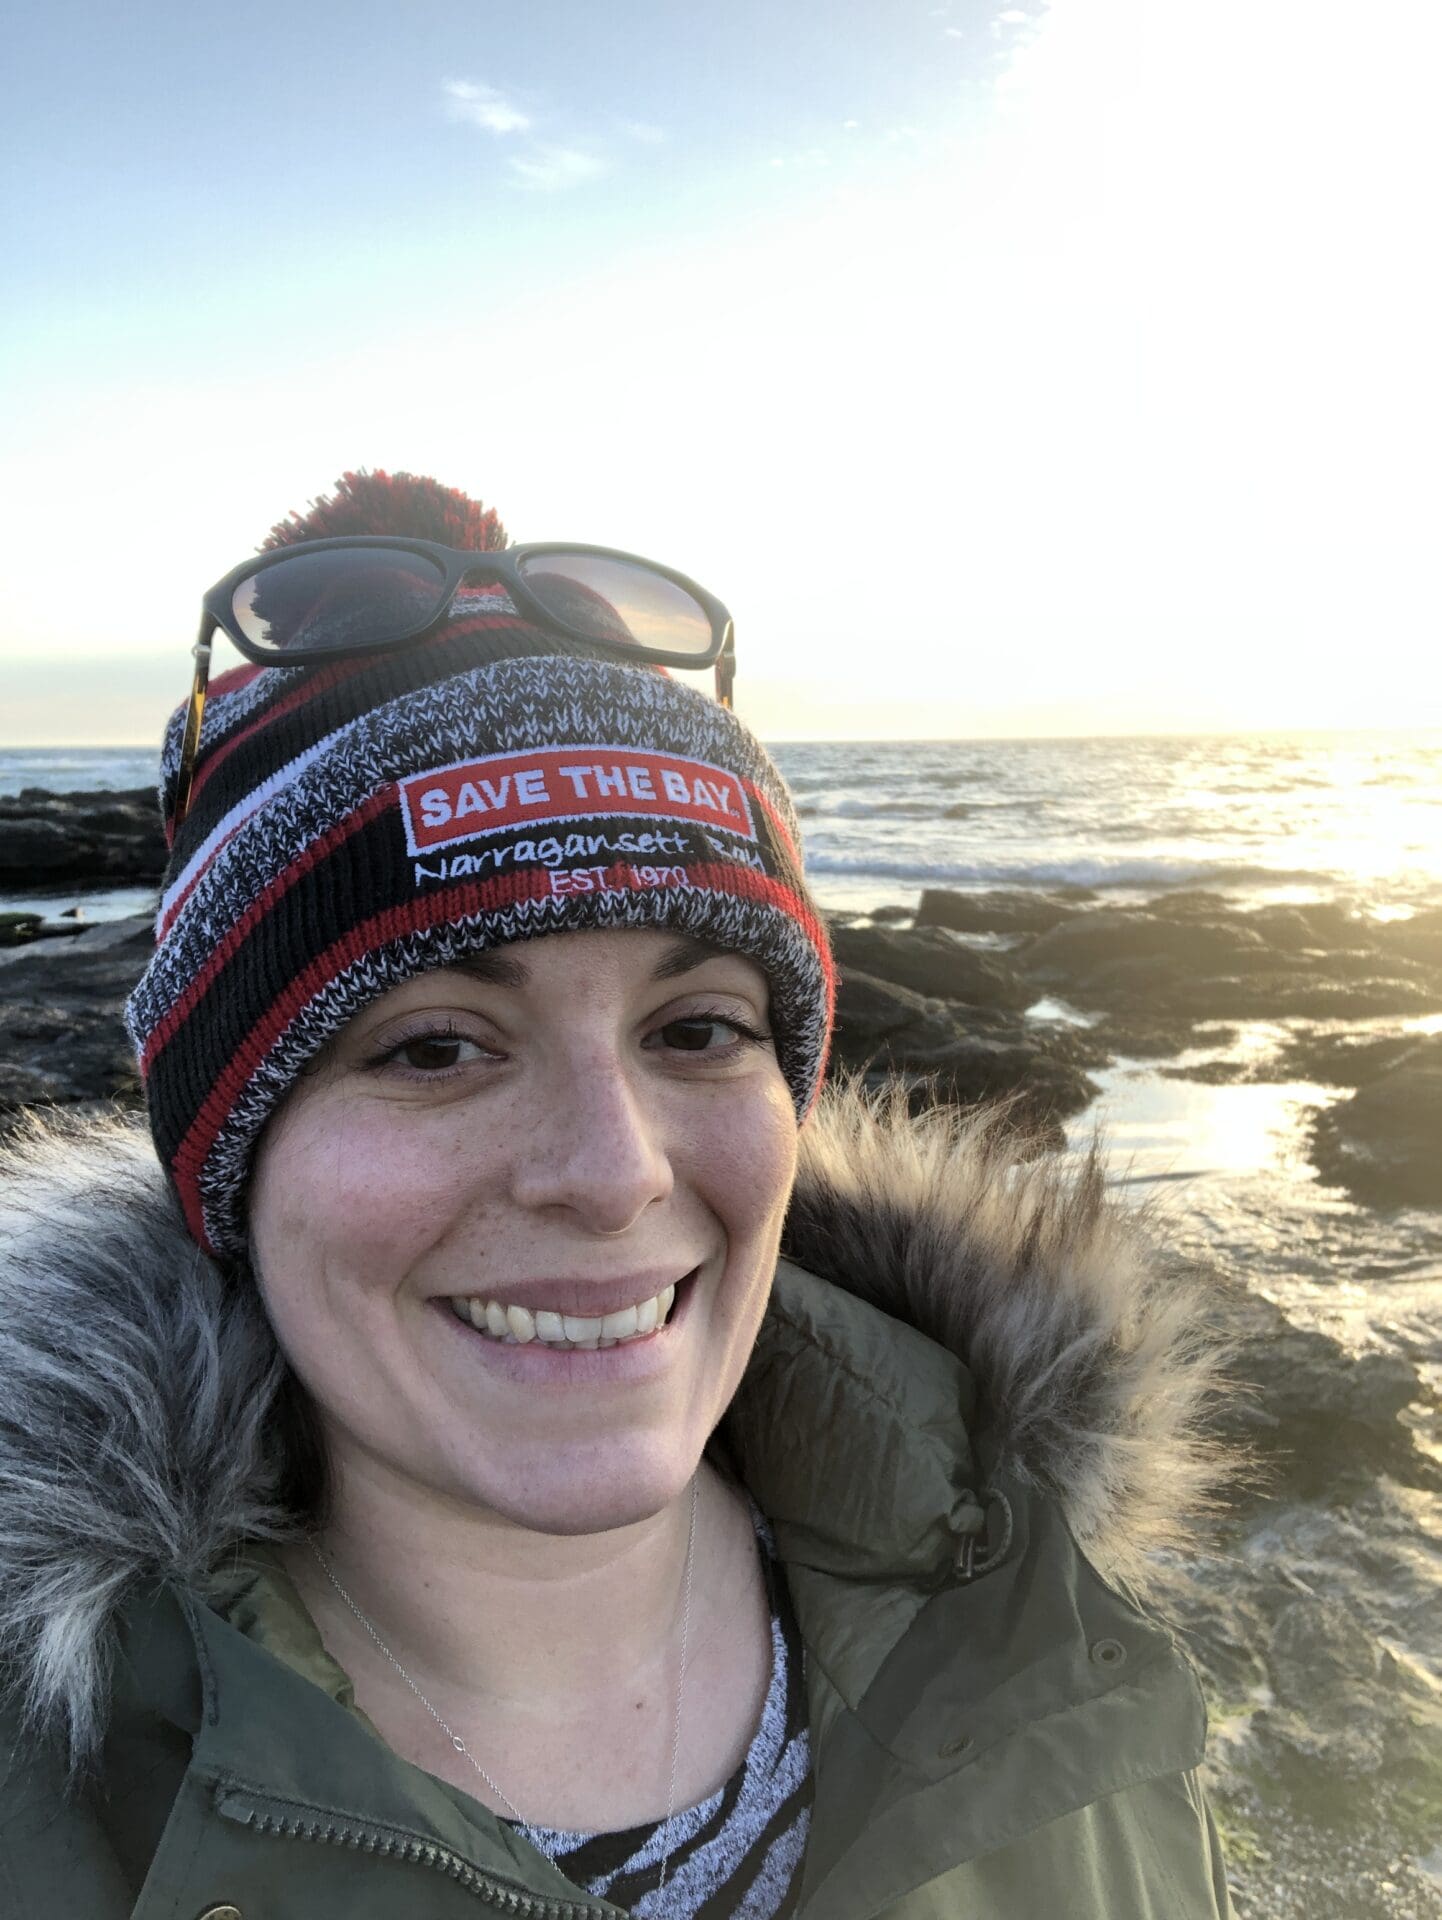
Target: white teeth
<point>516,1326</point>
<point>519,1320</point>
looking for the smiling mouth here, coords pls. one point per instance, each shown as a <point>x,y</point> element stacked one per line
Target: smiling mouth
<point>514,1326</point>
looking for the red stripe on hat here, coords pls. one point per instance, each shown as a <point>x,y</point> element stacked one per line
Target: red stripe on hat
<point>319,849</point>
<point>168,918</point>
<point>322,679</point>
<point>779,826</point>
<point>747,883</point>
<point>233,679</point>
<point>419,916</point>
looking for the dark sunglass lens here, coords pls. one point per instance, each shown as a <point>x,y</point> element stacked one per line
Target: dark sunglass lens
<point>346,597</point>
<point>618,600</point>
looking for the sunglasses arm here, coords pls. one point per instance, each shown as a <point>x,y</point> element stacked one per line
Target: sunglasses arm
<point>726,668</point>
<point>190,744</point>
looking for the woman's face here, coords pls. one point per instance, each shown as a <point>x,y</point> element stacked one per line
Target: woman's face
<point>568,1126</point>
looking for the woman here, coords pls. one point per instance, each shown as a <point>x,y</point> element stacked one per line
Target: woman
<point>439,1489</point>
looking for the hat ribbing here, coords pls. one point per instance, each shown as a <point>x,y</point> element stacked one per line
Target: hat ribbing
<point>354,824</point>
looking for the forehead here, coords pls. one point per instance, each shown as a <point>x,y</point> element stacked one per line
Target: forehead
<point>642,954</point>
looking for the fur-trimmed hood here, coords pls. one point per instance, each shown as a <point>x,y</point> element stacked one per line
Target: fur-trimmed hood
<point>136,1382</point>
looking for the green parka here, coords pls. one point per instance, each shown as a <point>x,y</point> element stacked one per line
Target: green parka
<point>969,1436</point>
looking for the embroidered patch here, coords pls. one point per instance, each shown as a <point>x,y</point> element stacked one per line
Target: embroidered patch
<point>549,785</point>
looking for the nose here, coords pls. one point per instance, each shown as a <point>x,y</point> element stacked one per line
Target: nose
<point>595,1150</point>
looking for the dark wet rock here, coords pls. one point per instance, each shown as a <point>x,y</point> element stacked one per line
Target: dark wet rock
<point>1419,943</point>
<point>998,911</point>
<point>1348,1713</point>
<point>1324,1760</point>
<point>1191,903</point>
<point>1259,996</point>
<point>1332,923</point>
<point>988,1067</point>
<point>49,839</point>
<point>1137,1032</point>
<point>948,1052</point>
<point>18,929</point>
<point>1340,1059</point>
<point>1211,1073</point>
<point>1385,1142</point>
<point>1323,1665</point>
<point>1366,963</point>
<point>1189,958</point>
<point>891,916</point>
<point>62,1035</point>
<point>1287,929</point>
<point>1314,1415</point>
<point>933,962</point>
<point>875,1017</point>
<point>1075,950</point>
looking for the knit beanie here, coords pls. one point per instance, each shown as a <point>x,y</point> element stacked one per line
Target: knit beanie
<point>356,823</point>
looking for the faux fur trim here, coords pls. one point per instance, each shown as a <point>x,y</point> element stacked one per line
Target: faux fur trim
<point>135,1384</point>
<point>134,1389</point>
<point>1097,1359</point>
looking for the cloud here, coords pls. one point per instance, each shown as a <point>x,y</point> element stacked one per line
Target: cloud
<point>643,131</point>
<point>543,165</point>
<point>552,169</point>
<point>851,125</point>
<point>808,157</point>
<point>952,33</point>
<point>482,106</point>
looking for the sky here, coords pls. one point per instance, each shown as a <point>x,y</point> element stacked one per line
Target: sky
<point>1006,369</point>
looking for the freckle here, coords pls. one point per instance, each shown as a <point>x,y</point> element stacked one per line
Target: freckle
<point>640,1706</point>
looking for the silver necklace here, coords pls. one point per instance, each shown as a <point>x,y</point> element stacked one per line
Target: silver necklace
<point>464,1750</point>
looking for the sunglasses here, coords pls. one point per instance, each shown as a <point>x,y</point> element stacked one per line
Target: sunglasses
<point>324,600</point>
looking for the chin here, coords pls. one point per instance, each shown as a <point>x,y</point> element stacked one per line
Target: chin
<point>593,1490</point>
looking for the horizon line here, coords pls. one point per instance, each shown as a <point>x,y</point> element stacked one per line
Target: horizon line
<point>869,740</point>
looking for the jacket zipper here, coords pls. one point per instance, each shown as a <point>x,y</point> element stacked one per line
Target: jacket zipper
<point>267,1819</point>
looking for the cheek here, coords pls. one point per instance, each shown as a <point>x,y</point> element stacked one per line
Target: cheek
<point>751,1166</point>
<point>339,1210</point>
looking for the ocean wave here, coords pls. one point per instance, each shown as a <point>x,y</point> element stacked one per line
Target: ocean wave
<point>830,809</point>
<point>1100,873</point>
<point>77,769</point>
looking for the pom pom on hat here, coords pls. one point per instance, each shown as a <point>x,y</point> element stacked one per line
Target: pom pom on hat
<point>410,504</point>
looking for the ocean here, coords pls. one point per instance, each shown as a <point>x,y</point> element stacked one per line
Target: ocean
<point>1262,817</point>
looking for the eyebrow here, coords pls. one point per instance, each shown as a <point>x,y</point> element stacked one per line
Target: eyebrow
<point>503,969</point>
<point>684,956</point>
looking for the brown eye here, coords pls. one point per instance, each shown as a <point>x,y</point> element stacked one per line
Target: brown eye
<point>431,1054</point>
<point>696,1035</point>
<point>708,1033</point>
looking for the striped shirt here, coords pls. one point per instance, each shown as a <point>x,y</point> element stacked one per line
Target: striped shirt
<point>738,1854</point>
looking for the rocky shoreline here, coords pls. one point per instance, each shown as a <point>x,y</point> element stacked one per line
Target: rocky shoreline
<point>1326,1760</point>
